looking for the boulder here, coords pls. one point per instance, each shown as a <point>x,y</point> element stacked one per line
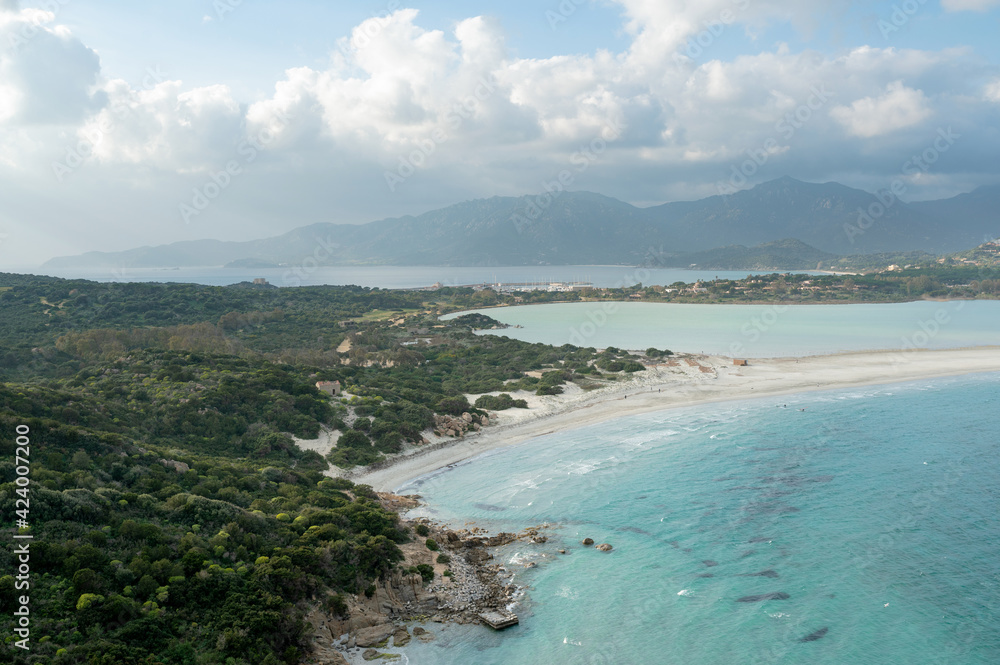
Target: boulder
<point>588,541</point>
<point>337,659</point>
<point>604,547</point>
<point>467,417</point>
<point>369,637</point>
<point>400,638</point>
<point>370,654</point>
<point>418,631</point>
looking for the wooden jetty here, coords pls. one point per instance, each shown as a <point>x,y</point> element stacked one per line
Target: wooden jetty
<point>498,621</point>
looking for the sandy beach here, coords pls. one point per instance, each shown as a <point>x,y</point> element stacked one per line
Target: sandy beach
<point>688,381</point>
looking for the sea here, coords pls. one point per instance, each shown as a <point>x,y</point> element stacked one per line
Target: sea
<point>830,528</point>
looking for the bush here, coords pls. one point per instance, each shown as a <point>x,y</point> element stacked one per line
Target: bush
<point>337,606</point>
<point>354,439</point>
<point>422,530</point>
<point>390,442</point>
<point>432,545</point>
<point>499,402</point>
<point>426,572</point>
<point>453,406</point>
<point>443,558</point>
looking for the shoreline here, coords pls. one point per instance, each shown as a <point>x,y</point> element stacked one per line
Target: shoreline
<point>680,384</point>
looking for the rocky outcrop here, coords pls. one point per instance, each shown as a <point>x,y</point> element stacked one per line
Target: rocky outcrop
<point>423,635</point>
<point>475,584</point>
<point>604,547</point>
<point>401,637</point>
<point>369,637</point>
<point>450,426</point>
<point>588,541</point>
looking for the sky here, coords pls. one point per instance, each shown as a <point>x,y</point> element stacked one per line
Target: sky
<point>126,124</point>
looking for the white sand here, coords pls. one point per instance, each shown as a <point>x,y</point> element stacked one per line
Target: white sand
<point>670,387</point>
<point>322,444</point>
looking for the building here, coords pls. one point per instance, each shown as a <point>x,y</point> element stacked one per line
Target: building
<point>331,388</point>
<point>260,281</point>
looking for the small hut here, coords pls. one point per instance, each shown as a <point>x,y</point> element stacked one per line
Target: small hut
<point>331,388</point>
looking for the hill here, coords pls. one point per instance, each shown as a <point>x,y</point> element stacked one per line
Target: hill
<point>587,228</point>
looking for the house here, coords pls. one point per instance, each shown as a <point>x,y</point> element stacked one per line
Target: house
<point>259,281</point>
<point>329,387</point>
<point>740,362</point>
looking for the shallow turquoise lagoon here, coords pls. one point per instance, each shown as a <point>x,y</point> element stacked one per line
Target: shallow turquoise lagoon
<point>756,331</point>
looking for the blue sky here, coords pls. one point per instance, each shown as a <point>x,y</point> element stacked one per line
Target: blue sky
<point>448,101</point>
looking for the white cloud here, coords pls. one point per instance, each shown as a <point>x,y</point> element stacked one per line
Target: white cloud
<point>900,107</point>
<point>993,91</point>
<point>165,126</point>
<point>47,73</point>
<point>508,123</point>
<point>969,5</point>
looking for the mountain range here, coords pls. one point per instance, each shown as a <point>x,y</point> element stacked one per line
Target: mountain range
<point>785,220</point>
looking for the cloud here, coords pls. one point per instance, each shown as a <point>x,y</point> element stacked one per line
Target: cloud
<point>969,5</point>
<point>900,107</point>
<point>165,126</point>
<point>47,74</point>
<point>464,116</point>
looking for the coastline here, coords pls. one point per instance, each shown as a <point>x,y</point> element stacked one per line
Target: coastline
<point>676,385</point>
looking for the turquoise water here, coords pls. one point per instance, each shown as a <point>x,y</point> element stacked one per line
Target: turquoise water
<point>403,277</point>
<point>874,509</point>
<point>756,331</point>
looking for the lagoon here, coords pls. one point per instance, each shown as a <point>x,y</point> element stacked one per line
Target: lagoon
<point>755,331</point>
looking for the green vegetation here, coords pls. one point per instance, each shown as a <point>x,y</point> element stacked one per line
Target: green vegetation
<point>499,402</point>
<point>142,559</point>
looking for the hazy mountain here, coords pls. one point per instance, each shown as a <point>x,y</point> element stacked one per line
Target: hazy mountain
<point>976,214</point>
<point>588,228</point>
<point>827,216</point>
